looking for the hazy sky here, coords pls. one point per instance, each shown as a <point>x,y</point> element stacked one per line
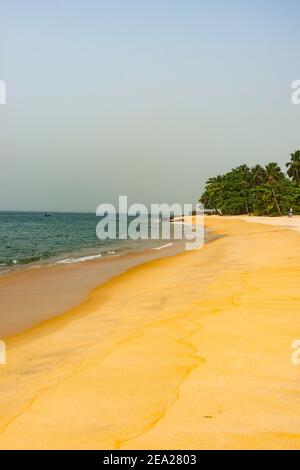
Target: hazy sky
<point>146,98</point>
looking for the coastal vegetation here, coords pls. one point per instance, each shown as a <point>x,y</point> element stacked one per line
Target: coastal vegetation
<point>258,190</point>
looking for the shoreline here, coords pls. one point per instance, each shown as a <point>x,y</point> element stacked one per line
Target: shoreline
<point>190,351</point>
<point>33,295</point>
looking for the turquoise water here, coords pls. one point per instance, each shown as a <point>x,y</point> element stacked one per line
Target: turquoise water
<point>30,238</point>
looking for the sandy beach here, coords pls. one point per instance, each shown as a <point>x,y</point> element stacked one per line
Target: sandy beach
<point>42,292</point>
<point>187,352</point>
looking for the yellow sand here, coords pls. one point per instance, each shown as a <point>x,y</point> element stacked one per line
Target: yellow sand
<point>188,352</point>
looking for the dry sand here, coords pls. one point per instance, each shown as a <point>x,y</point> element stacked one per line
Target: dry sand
<point>284,222</point>
<point>190,352</point>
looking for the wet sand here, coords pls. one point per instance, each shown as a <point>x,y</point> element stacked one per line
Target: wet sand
<point>186,352</point>
<point>31,296</point>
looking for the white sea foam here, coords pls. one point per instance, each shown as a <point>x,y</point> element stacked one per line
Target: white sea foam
<point>78,260</point>
<point>161,247</point>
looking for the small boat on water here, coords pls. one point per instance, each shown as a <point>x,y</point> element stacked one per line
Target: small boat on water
<point>47,215</point>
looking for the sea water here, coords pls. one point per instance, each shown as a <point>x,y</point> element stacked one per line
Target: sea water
<point>32,239</point>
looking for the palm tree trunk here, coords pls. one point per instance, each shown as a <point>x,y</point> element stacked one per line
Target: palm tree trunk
<point>246,203</point>
<point>276,202</point>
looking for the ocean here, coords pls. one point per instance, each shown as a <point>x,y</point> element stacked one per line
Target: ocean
<point>31,239</point>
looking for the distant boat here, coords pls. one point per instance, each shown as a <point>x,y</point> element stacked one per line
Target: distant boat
<point>47,215</point>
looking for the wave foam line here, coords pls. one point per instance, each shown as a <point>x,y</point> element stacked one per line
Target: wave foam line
<point>78,260</point>
<point>162,246</point>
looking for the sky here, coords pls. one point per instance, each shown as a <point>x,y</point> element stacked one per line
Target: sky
<point>143,98</point>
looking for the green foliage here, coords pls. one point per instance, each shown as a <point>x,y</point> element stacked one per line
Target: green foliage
<point>258,190</point>
<point>294,167</point>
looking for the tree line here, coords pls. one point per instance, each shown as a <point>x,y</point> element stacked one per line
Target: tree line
<point>258,190</point>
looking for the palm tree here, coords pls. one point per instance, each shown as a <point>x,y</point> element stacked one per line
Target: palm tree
<point>294,166</point>
<point>258,178</point>
<point>213,190</point>
<point>258,175</point>
<point>274,175</point>
<point>244,177</point>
